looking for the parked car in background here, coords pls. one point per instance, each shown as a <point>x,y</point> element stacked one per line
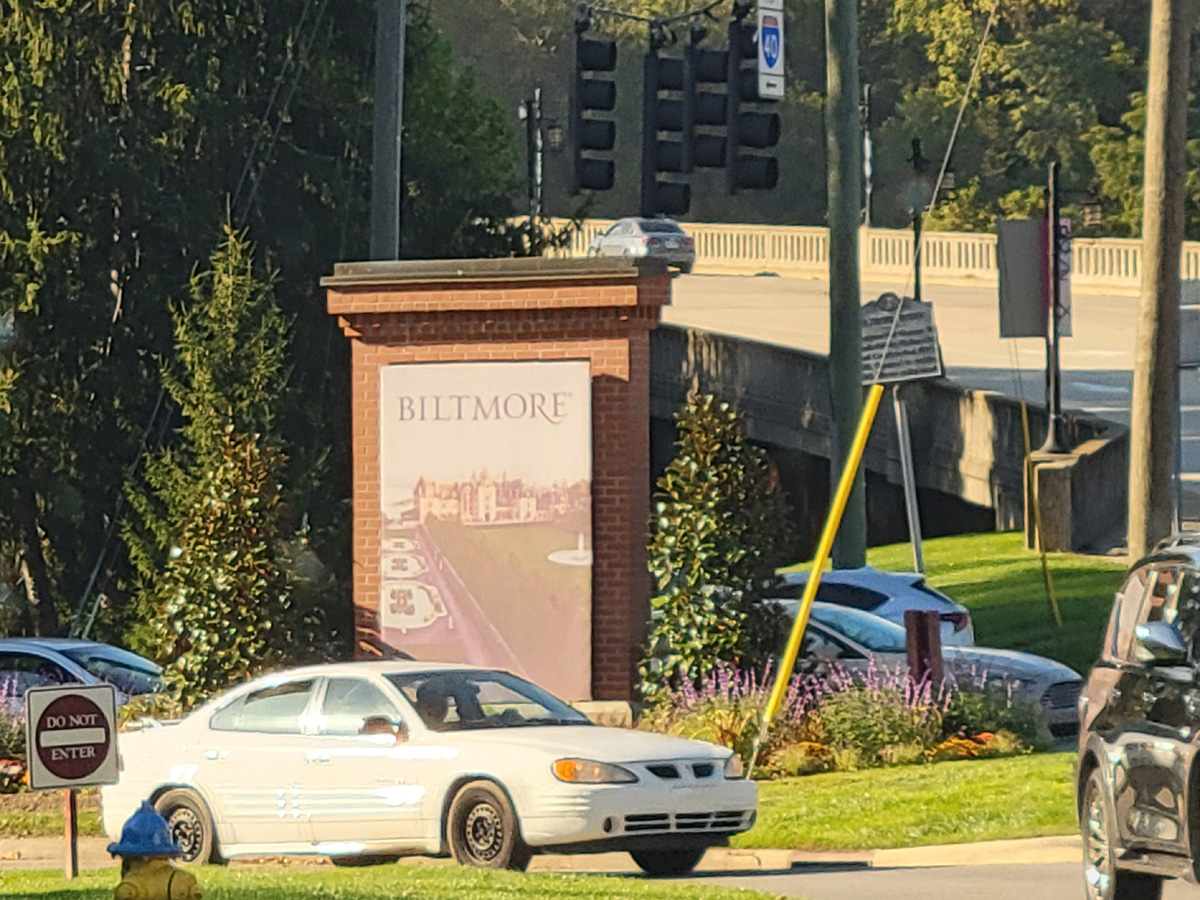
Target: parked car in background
<point>365,762</point>
<point>655,238</point>
<point>1137,780</point>
<point>855,639</point>
<point>884,594</point>
<point>46,662</point>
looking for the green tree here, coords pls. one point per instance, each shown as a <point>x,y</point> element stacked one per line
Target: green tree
<point>129,132</point>
<point>215,590</point>
<point>720,531</point>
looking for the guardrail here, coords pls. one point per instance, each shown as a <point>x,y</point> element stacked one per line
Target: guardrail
<point>1099,266</point>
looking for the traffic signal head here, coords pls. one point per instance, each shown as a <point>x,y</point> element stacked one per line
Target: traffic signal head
<point>673,154</point>
<point>747,128</point>
<point>590,94</point>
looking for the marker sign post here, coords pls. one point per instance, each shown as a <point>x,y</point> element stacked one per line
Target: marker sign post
<point>770,50</point>
<point>71,742</point>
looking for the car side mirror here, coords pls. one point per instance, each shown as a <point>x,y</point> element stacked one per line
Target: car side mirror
<point>1162,641</point>
<point>381,725</point>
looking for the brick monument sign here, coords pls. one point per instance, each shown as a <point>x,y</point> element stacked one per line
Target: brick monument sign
<point>501,415</point>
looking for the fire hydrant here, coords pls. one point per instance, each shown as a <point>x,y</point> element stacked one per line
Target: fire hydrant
<point>145,848</point>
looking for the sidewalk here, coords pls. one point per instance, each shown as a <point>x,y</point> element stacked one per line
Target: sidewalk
<point>47,853</point>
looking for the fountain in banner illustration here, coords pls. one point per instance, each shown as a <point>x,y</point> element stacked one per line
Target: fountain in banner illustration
<point>577,557</point>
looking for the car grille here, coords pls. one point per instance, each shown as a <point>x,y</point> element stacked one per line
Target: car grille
<point>664,823</point>
<point>664,771</point>
<point>1064,695</point>
<point>1063,730</point>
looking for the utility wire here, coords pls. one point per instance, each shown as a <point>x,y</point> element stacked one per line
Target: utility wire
<point>962,109</point>
<point>607,12</point>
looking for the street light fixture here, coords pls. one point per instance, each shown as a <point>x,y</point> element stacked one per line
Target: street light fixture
<point>916,196</point>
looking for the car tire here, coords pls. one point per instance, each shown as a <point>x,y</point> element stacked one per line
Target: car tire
<point>362,860</point>
<point>1102,880</point>
<point>483,829</point>
<point>668,863</point>
<point>685,268</point>
<point>190,825</point>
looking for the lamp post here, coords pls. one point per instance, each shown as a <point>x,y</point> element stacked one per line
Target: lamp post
<point>917,193</point>
<point>1055,440</point>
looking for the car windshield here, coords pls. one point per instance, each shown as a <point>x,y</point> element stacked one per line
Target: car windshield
<point>876,634</point>
<point>657,226</point>
<point>470,699</point>
<point>127,672</point>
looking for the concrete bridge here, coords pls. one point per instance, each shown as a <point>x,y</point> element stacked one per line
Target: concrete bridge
<point>968,444</point>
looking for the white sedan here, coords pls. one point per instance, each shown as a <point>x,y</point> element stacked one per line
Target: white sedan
<point>369,761</point>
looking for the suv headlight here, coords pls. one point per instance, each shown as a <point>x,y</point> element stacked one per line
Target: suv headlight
<point>586,771</point>
<point>734,767</point>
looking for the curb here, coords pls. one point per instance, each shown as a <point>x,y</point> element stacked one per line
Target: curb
<point>46,853</point>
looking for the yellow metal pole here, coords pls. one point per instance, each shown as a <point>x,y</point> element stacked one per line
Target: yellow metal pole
<point>824,548</point>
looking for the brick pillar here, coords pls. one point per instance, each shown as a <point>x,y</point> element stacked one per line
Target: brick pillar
<point>601,311</point>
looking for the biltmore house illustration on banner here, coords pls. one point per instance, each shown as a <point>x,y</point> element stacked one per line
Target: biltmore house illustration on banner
<point>485,489</point>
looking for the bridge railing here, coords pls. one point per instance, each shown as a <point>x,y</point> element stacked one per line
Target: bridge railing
<point>1100,265</point>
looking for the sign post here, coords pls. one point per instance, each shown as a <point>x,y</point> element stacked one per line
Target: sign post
<point>71,741</point>
<point>900,343</point>
<point>770,49</point>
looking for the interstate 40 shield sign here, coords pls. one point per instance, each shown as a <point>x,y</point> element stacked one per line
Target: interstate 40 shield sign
<point>71,736</point>
<point>770,49</point>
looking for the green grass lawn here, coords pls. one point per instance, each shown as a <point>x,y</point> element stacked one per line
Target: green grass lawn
<point>393,882</point>
<point>910,806</point>
<point>1001,583</point>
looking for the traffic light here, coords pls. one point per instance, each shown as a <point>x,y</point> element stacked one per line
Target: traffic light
<point>670,115</point>
<point>706,150</point>
<point>747,128</point>
<point>590,94</point>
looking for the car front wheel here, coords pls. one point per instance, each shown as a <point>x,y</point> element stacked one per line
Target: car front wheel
<point>663,863</point>
<point>483,829</point>
<point>190,826</point>
<point>1102,880</point>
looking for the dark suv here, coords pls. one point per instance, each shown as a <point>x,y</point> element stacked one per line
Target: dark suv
<point>1138,785</point>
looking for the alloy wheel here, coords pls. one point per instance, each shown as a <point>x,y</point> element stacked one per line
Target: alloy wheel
<point>1098,856</point>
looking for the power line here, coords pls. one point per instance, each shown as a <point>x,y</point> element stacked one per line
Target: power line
<point>590,11</point>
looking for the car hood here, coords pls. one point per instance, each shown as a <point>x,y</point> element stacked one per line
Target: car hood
<point>1011,663</point>
<point>595,742</point>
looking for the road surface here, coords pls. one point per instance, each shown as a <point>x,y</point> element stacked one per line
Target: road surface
<point>1097,361</point>
<point>1044,882</point>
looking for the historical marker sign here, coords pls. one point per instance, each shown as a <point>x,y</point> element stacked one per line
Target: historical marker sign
<point>899,341</point>
<point>770,49</point>
<point>72,736</point>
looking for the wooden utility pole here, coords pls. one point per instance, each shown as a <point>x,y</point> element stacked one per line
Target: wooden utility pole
<point>1153,416</point>
<point>844,149</point>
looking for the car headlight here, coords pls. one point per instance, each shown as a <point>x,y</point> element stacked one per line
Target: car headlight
<point>586,771</point>
<point>734,767</point>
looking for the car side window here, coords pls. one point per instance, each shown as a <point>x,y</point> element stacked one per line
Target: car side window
<point>820,645</point>
<point>350,701</point>
<point>1127,610</point>
<point>278,709</point>
<point>21,671</point>
<point>851,595</point>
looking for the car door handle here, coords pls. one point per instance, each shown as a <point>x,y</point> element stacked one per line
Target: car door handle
<point>216,754</point>
<point>321,758</point>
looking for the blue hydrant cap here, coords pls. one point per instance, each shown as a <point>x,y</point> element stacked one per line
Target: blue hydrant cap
<point>145,834</point>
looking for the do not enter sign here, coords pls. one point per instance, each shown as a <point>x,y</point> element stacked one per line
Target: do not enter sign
<point>71,736</point>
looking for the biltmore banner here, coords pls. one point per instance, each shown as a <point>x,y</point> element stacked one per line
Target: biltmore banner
<point>486,539</point>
